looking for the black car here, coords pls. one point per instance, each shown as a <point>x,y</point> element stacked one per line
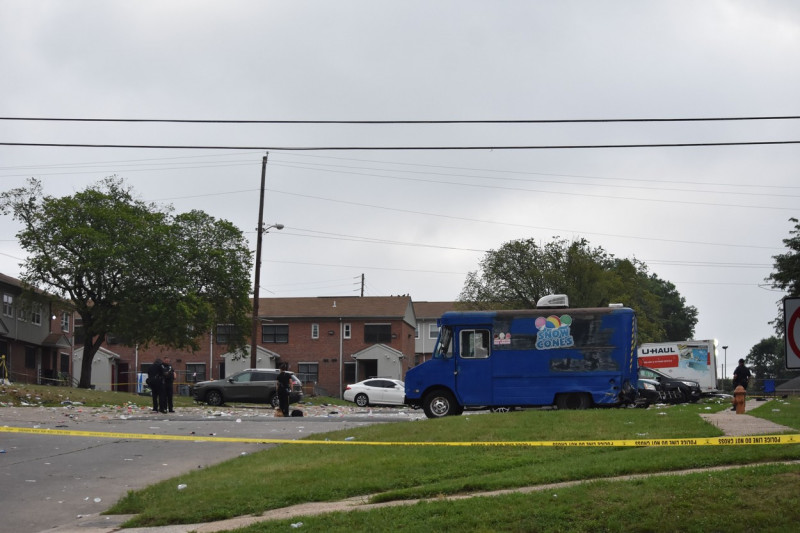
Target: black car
<point>649,392</point>
<point>675,390</point>
<point>254,385</point>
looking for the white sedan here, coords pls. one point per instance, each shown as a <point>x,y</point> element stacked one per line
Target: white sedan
<point>376,391</point>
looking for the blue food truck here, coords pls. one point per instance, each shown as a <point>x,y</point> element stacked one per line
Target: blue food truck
<point>552,355</point>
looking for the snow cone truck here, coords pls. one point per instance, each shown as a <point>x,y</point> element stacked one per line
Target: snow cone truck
<point>551,355</point>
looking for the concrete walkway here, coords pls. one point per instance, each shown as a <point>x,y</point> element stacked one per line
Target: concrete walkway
<point>728,421</point>
<point>739,425</point>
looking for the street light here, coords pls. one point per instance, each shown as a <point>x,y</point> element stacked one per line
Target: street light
<point>725,364</point>
<point>254,337</point>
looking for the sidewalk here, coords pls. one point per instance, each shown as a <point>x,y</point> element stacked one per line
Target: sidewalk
<point>728,421</point>
<point>739,425</point>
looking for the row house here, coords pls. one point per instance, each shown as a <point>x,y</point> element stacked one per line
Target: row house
<point>334,341</point>
<point>328,341</point>
<point>36,335</point>
<point>427,330</point>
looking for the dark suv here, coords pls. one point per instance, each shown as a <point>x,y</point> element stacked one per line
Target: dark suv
<point>676,390</point>
<point>254,385</point>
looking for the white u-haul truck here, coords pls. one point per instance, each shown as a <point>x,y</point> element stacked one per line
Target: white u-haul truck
<point>694,360</point>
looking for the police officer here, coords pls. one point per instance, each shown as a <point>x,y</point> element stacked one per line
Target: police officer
<point>155,380</point>
<point>168,389</point>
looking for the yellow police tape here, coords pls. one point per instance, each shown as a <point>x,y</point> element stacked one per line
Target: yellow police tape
<point>703,441</point>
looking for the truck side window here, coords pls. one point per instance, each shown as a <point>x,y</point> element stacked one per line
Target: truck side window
<point>475,343</point>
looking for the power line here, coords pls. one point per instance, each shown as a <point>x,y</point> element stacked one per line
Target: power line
<point>524,172</point>
<point>511,224</point>
<point>402,122</point>
<point>400,148</point>
<point>426,179</point>
<point>290,164</point>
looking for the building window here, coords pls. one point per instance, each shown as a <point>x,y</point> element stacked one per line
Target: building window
<point>195,372</point>
<point>347,331</point>
<point>433,331</point>
<point>377,333</point>
<point>416,331</point>
<point>22,313</point>
<point>8,305</point>
<point>308,372</point>
<point>65,322</point>
<point>315,331</point>
<point>224,333</point>
<point>36,313</point>
<point>278,334</point>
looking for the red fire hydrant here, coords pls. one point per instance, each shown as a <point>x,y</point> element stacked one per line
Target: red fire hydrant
<point>738,399</point>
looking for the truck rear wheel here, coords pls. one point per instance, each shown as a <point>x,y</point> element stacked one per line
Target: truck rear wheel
<point>440,403</point>
<point>574,400</point>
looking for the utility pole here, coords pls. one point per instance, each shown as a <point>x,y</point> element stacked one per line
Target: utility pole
<point>260,230</point>
<point>362,285</point>
<point>725,364</point>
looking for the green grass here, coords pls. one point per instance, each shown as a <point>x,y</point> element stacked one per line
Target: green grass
<point>51,396</point>
<point>743,500</point>
<point>325,400</point>
<point>295,473</point>
<point>755,497</point>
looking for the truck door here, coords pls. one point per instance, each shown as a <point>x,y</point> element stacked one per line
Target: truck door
<point>474,367</point>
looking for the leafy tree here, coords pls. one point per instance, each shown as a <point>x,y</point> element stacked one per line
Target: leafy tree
<point>787,271</point>
<point>132,269</point>
<point>522,271</point>
<point>767,359</point>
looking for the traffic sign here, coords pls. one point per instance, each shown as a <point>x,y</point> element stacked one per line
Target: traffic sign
<point>791,321</point>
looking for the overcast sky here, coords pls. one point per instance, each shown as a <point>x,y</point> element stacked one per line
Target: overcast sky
<point>708,219</point>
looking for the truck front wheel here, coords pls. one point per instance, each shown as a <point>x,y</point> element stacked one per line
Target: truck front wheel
<point>440,403</point>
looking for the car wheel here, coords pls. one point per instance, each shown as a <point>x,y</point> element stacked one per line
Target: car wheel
<point>683,396</point>
<point>214,397</point>
<point>274,400</point>
<point>574,400</point>
<point>501,409</point>
<point>362,400</point>
<point>440,403</point>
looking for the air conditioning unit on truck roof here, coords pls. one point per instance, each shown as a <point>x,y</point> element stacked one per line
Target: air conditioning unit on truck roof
<point>553,300</point>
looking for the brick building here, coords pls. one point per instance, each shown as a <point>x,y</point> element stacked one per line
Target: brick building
<point>328,341</point>
<point>333,341</point>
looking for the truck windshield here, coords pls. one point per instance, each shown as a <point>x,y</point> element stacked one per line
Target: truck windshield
<point>442,349</point>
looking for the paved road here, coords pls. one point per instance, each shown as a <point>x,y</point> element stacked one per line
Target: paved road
<point>50,480</point>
